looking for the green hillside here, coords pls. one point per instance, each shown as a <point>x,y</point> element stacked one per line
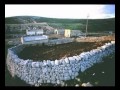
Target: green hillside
<point>94,24</point>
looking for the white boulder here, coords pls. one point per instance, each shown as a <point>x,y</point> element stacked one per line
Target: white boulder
<point>76,74</point>
<point>56,62</point>
<point>77,85</point>
<point>33,64</point>
<point>48,62</point>
<point>73,69</point>
<point>48,81</point>
<point>66,78</point>
<point>70,72</point>
<point>87,84</point>
<point>60,61</point>
<point>78,79</point>
<point>77,58</point>
<point>44,63</point>
<point>66,60</point>
<point>37,64</point>
<point>58,81</point>
<point>82,54</point>
<point>103,47</point>
<point>41,64</point>
<point>113,42</point>
<point>71,59</point>
<point>52,63</point>
<point>44,70</point>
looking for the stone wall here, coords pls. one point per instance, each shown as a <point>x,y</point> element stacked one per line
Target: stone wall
<point>51,42</point>
<point>55,72</point>
<point>59,41</point>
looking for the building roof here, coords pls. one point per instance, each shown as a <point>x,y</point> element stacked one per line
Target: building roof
<point>34,38</point>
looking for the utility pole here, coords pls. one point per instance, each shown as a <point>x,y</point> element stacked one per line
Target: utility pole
<point>86,26</point>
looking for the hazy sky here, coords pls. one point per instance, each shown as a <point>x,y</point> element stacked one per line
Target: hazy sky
<point>62,11</point>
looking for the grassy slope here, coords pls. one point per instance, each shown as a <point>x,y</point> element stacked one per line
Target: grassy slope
<point>94,25</point>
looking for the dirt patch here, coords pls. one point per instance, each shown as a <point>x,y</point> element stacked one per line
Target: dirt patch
<point>58,51</point>
<point>56,36</point>
<point>96,39</point>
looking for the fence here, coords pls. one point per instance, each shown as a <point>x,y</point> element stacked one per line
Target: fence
<point>55,72</point>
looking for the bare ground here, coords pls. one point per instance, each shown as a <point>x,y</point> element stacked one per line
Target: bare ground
<point>61,51</point>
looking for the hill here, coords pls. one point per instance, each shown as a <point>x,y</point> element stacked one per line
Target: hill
<point>95,25</point>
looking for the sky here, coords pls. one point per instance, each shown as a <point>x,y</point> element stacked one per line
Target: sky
<point>79,11</point>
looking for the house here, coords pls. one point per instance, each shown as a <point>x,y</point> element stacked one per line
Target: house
<point>34,39</point>
<point>72,33</point>
<point>59,31</point>
<point>47,32</point>
<point>76,33</point>
<point>34,32</point>
<point>34,36</point>
<point>67,33</point>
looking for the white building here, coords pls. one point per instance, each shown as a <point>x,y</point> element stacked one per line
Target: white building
<point>34,39</point>
<point>34,32</point>
<point>59,31</point>
<point>34,36</point>
<point>76,33</point>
